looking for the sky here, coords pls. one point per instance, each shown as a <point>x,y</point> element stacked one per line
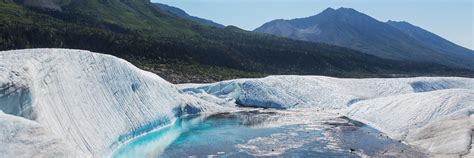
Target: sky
<point>451,19</point>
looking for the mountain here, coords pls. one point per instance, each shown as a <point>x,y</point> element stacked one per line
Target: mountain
<point>349,28</point>
<point>40,4</point>
<point>184,51</point>
<point>432,40</point>
<point>181,13</point>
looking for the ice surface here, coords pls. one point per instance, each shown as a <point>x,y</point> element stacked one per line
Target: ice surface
<point>317,91</point>
<point>20,137</point>
<point>91,101</point>
<point>436,121</point>
<point>446,137</point>
<point>65,103</point>
<point>432,113</point>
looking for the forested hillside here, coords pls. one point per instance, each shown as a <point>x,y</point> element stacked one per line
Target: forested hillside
<point>180,50</point>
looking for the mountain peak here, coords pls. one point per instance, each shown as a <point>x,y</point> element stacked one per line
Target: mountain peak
<point>342,9</point>
<point>350,28</point>
<point>329,9</point>
<point>343,15</point>
<point>348,11</point>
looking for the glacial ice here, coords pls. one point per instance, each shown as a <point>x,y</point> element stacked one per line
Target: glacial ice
<point>91,101</point>
<point>437,121</point>
<point>73,103</point>
<point>20,137</point>
<point>318,91</point>
<point>433,113</point>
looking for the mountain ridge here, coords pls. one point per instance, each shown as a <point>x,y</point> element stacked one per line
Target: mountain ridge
<point>184,51</point>
<point>431,39</point>
<point>181,13</point>
<point>349,28</point>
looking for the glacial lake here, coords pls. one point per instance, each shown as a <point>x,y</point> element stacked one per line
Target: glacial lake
<point>265,133</point>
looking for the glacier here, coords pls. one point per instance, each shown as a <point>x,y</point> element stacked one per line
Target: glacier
<point>91,101</point>
<point>21,137</point>
<point>75,103</point>
<point>432,113</point>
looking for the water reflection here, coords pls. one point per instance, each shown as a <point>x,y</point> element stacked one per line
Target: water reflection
<point>265,133</point>
<point>253,118</point>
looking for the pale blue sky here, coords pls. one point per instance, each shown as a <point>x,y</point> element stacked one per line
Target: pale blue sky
<point>451,19</point>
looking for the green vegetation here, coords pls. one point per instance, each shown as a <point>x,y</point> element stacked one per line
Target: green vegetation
<point>183,51</point>
<point>183,73</point>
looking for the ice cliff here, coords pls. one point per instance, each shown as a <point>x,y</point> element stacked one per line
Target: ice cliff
<point>89,101</point>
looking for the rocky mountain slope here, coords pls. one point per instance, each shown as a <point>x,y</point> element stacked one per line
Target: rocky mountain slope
<point>349,28</point>
<point>183,14</point>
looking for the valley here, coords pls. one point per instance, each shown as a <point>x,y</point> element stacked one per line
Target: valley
<point>141,78</point>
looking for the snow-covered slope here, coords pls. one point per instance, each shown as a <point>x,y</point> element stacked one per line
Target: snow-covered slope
<point>90,101</point>
<point>432,113</point>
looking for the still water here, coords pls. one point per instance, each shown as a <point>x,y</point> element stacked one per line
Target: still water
<point>265,133</point>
